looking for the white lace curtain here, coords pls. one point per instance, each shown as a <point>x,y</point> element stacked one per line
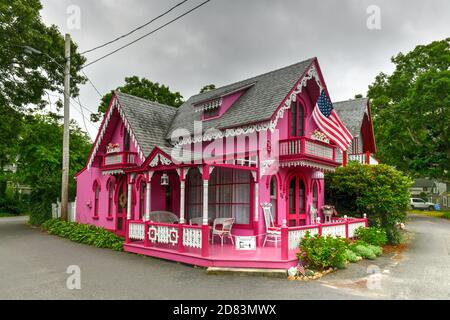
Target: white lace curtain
<point>228,194</point>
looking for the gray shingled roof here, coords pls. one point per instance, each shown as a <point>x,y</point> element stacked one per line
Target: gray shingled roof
<point>257,104</point>
<point>351,113</point>
<point>423,182</point>
<point>149,121</point>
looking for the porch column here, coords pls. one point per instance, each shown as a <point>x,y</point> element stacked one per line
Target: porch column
<point>256,196</point>
<point>130,183</point>
<point>148,196</point>
<point>182,195</point>
<point>205,202</point>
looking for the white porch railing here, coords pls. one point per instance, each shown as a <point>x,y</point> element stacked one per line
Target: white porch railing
<point>342,227</point>
<point>168,236</point>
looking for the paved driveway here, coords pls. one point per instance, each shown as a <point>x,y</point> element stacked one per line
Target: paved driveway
<point>33,266</point>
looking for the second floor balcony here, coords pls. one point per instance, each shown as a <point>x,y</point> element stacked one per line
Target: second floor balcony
<point>295,148</point>
<point>119,159</point>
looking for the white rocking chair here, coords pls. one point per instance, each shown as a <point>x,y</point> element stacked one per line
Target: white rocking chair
<point>273,233</point>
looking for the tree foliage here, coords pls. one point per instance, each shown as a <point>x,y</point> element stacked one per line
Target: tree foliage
<point>40,161</point>
<point>411,111</point>
<point>207,88</point>
<point>25,77</point>
<point>380,191</point>
<point>143,88</point>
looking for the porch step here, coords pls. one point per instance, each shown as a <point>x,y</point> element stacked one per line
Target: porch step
<point>274,273</point>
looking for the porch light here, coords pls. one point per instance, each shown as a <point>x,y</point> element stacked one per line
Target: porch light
<point>164,179</point>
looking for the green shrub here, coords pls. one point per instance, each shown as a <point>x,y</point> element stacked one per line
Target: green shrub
<point>350,256</point>
<point>83,233</point>
<point>380,191</point>
<point>372,235</point>
<point>319,252</point>
<point>376,250</point>
<point>446,215</point>
<point>364,251</point>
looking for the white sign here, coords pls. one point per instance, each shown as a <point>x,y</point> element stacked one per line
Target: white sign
<point>245,243</point>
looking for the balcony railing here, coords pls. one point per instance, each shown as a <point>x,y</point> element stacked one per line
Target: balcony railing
<point>119,159</point>
<point>364,158</point>
<point>302,146</point>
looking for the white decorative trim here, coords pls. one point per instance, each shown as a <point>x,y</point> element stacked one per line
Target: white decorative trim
<point>265,165</point>
<point>213,104</point>
<point>303,163</point>
<point>115,105</point>
<point>112,172</point>
<point>159,158</point>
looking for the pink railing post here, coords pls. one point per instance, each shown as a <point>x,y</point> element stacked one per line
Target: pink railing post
<point>319,226</point>
<point>127,236</point>
<point>346,227</point>
<point>366,221</point>
<point>367,157</point>
<point>180,237</point>
<point>205,240</point>
<point>146,241</point>
<point>284,241</point>
<point>302,146</point>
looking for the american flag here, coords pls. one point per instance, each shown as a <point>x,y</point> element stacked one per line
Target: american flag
<point>329,123</point>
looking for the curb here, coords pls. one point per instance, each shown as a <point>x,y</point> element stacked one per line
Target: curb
<point>273,273</point>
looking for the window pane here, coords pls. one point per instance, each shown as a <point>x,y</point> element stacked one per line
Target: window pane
<point>293,118</point>
<point>300,123</point>
<point>301,196</point>
<point>292,196</point>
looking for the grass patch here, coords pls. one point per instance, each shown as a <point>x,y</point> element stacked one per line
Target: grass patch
<point>443,214</point>
<point>9,215</point>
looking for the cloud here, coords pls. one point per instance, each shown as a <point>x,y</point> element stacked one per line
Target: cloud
<point>229,40</point>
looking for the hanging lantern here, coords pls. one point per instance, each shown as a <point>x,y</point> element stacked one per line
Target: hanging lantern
<point>164,179</point>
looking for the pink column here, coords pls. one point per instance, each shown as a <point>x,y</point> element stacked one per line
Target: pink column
<point>127,238</point>
<point>180,237</point>
<point>146,242</point>
<point>284,241</point>
<point>205,240</point>
<point>346,227</point>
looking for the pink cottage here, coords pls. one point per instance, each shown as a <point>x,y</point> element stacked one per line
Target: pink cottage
<point>232,178</point>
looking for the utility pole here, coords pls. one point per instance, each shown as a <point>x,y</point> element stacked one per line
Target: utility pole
<point>65,162</point>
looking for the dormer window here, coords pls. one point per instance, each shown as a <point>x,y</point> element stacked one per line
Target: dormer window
<point>210,113</point>
<point>210,109</point>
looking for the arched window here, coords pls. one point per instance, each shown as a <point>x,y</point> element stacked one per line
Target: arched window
<point>142,196</point>
<point>273,198</point>
<point>297,128</point>
<point>315,196</point>
<point>126,139</point>
<point>96,198</point>
<point>110,198</point>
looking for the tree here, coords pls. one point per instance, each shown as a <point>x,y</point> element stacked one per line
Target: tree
<point>39,161</point>
<point>142,88</point>
<point>380,191</point>
<point>208,87</point>
<point>411,111</point>
<point>24,77</point>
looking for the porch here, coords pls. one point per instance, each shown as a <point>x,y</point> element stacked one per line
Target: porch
<point>192,244</point>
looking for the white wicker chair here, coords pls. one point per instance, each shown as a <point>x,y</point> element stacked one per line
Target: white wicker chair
<point>225,230</point>
<point>273,233</point>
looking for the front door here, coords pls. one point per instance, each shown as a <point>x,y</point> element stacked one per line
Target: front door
<point>296,215</point>
<point>121,212</point>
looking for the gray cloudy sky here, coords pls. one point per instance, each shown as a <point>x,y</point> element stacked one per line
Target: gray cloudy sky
<point>230,40</point>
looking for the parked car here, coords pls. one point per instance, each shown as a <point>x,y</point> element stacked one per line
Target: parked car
<point>417,203</point>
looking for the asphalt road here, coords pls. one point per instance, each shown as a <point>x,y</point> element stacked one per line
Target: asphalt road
<point>33,265</point>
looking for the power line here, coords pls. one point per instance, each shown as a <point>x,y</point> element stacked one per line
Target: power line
<point>136,29</point>
<point>147,34</point>
<point>92,84</point>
